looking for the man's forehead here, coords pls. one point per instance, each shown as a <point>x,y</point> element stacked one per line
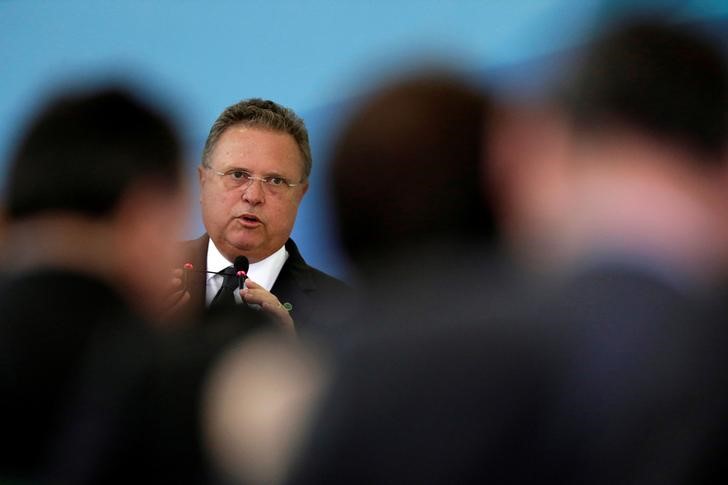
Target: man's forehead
<point>256,145</point>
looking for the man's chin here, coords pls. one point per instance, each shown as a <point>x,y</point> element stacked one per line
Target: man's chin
<point>237,243</point>
<point>243,245</point>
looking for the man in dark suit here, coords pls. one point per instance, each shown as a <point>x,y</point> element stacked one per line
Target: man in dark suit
<point>253,176</point>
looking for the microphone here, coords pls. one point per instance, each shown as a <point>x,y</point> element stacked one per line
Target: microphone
<point>241,265</point>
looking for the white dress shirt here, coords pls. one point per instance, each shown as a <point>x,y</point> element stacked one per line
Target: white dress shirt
<point>264,272</point>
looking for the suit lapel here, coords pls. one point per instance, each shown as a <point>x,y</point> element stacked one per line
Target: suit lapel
<point>295,285</point>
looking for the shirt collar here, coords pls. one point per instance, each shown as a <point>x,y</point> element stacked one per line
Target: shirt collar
<point>264,272</point>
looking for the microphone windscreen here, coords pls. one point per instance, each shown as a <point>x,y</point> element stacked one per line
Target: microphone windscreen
<point>241,264</point>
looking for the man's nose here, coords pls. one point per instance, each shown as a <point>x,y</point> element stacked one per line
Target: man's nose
<point>253,193</point>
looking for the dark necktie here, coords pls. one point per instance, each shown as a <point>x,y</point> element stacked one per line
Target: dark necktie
<point>225,297</point>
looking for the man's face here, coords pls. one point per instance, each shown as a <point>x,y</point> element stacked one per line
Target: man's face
<point>251,220</point>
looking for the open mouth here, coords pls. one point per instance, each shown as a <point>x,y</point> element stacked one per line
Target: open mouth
<point>249,219</point>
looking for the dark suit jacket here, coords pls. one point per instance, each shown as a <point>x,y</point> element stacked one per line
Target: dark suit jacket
<point>318,299</point>
<point>615,376</point>
<point>646,387</point>
<point>89,393</point>
<point>437,384</point>
<point>75,367</point>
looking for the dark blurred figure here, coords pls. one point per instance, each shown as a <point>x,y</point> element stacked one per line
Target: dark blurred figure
<point>634,162</point>
<point>643,240</point>
<point>93,203</point>
<point>613,376</point>
<point>407,171</point>
<point>630,208</point>
<point>413,202</point>
<point>440,383</point>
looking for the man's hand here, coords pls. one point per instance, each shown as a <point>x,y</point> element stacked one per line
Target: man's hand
<point>177,299</point>
<point>253,293</point>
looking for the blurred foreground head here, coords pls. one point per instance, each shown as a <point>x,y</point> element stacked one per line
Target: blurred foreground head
<point>634,161</point>
<point>95,186</point>
<point>406,170</point>
<point>664,80</point>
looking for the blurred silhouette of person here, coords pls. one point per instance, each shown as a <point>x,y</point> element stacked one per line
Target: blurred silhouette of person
<point>646,115</point>
<point>614,376</point>
<point>438,374</point>
<point>628,195</point>
<point>644,245</point>
<point>413,203</point>
<point>92,201</point>
<point>409,164</point>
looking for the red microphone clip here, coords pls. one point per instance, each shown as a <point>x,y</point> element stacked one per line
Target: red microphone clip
<point>242,275</point>
<point>187,267</point>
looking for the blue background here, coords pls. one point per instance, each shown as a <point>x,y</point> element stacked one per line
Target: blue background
<point>197,57</point>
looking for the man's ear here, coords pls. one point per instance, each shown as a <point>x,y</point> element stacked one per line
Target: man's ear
<point>202,177</point>
<point>304,189</point>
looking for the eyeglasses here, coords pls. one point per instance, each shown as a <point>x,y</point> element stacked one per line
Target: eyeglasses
<point>236,178</point>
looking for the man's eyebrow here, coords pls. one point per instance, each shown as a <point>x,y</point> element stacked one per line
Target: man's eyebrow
<point>277,174</point>
<point>236,169</point>
<point>265,175</point>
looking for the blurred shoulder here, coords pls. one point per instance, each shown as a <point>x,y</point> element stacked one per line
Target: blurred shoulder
<point>326,281</point>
